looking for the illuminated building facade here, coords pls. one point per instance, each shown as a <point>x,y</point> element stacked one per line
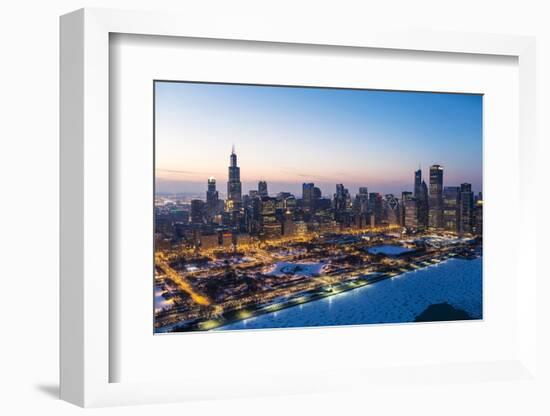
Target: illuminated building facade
<point>451,208</point>
<point>255,216</point>
<point>212,199</point>
<point>435,213</point>
<point>234,186</point>
<point>466,208</point>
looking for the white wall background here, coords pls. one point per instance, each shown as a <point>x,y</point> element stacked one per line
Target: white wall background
<point>29,184</point>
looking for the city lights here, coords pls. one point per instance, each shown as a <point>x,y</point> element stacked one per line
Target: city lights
<point>230,260</point>
<point>273,203</point>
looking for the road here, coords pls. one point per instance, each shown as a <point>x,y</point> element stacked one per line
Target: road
<point>181,282</point>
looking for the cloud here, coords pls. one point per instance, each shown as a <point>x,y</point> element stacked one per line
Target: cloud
<point>310,176</point>
<point>182,172</point>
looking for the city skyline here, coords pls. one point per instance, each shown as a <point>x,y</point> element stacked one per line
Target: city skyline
<point>327,189</point>
<point>187,155</point>
<point>296,195</point>
<point>431,205</point>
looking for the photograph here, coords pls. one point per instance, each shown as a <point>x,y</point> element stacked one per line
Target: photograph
<point>243,208</point>
<point>283,206</point>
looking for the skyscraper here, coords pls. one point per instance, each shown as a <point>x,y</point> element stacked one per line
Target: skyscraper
<point>262,188</point>
<point>478,216</point>
<point>342,203</point>
<point>271,227</point>
<point>466,208</point>
<point>392,210</point>
<point>316,195</point>
<point>435,216</point>
<point>234,194</point>
<point>375,207</point>
<point>417,182</point>
<point>197,211</point>
<point>212,199</point>
<point>410,213</point>
<point>253,215</point>
<point>307,196</point>
<point>451,208</point>
<point>405,196</point>
<point>423,206</point>
<point>363,200</point>
<point>421,197</point>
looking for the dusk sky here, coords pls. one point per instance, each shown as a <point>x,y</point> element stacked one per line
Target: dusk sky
<point>288,136</point>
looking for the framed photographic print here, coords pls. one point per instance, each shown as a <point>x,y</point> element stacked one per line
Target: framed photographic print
<point>266,211</point>
<point>323,224</point>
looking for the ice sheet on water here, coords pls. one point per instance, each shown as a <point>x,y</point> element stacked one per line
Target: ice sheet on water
<point>457,282</point>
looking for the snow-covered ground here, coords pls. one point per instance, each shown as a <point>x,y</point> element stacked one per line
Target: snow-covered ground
<point>400,299</point>
<point>296,269</point>
<point>160,302</point>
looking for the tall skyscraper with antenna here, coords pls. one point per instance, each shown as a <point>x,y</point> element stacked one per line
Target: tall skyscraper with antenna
<point>234,186</point>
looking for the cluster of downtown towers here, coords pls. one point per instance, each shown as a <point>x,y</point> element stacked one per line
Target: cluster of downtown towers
<point>258,215</point>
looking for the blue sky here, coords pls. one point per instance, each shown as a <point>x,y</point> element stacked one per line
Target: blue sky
<point>288,136</point>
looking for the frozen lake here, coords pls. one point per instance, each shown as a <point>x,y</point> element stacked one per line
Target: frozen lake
<point>400,299</point>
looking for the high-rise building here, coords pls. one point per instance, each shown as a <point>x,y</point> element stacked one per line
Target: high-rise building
<point>212,199</point>
<point>234,187</point>
<point>288,225</point>
<point>271,227</point>
<point>340,198</point>
<point>360,207</point>
<point>262,188</point>
<point>451,208</point>
<point>316,196</point>
<point>363,197</point>
<point>307,196</point>
<point>466,208</point>
<point>405,196</point>
<point>253,215</point>
<point>422,202</point>
<point>342,203</point>
<point>410,213</point>
<point>421,196</point>
<point>417,182</point>
<point>375,208</point>
<point>478,216</point>
<point>197,211</point>
<point>435,213</point>
<point>392,209</point>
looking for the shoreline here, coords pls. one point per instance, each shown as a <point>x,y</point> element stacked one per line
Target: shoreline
<point>237,315</point>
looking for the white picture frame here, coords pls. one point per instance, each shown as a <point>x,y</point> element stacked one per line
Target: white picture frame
<point>85,212</point>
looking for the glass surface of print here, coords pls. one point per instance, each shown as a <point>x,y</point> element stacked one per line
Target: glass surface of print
<point>281,206</point>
